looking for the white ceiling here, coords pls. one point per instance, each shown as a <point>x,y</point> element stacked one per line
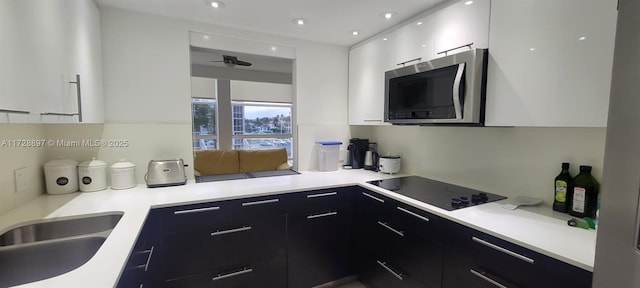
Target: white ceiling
<point>329,21</point>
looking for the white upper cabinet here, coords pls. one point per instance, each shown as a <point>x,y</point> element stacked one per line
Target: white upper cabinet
<point>414,42</point>
<point>47,44</point>
<point>461,23</point>
<point>367,64</point>
<point>550,62</point>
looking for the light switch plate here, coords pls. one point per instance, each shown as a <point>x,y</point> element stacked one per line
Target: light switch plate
<point>21,179</point>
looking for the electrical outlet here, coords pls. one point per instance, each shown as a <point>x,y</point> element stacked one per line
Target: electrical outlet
<point>21,179</point>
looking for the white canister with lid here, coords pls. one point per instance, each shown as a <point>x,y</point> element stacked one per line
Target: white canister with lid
<point>61,176</point>
<point>123,175</point>
<point>92,175</point>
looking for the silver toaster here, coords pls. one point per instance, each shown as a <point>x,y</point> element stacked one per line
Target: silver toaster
<point>162,173</point>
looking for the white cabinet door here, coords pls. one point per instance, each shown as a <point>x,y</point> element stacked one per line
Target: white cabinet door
<point>414,41</point>
<point>47,44</point>
<point>461,23</point>
<point>550,62</point>
<point>367,64</point>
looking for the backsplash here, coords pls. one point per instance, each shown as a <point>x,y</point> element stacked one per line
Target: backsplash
<point>506,161</point>
<point>15,155</point>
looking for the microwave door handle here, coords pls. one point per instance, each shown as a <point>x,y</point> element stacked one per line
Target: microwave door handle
<point>457,103</point>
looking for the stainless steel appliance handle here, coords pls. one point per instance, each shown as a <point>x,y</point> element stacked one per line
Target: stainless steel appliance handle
<point>322,195</point>
<point>260,202</point>
<point>394,273</point>
<point>413,214</point>
<point>222,232</point>
<point>322,215</point>
<point>190,211</point>
<point>503,250</point>
<point>401,233</point>
<point>457,104</point>
<point>146,265</point>
<point>223,276</point>
<point>484,277</point>
<point>373,197</point>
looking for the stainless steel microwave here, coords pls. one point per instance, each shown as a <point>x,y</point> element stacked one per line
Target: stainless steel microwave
<point>446,90</point>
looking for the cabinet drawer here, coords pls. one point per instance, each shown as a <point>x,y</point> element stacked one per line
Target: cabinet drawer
<point>380,273</point>
<point>258,207</point>
<point>406,249</point>
<point>266,272</point>
<point>224,245</point>
<point>319,199</point>
<point>367,201</point>
<point>460,271</point>
<point>497,257</point>
<point>191,217</point>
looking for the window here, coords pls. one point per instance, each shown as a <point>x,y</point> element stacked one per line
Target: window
<point>262,125</point>
<point>204,123</point>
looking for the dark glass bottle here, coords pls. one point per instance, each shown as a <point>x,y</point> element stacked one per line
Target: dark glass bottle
<point>562,195</point>
<point>584,198</point>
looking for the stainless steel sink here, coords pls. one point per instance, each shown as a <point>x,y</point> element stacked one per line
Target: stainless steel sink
<point>60,228</point>
<point>37,251</point>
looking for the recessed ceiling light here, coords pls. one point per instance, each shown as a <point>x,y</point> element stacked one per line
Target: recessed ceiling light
<point>582,38</point>
<point>206,37</point>
<point>300,21</point>
<point>355,32</point>
<point>468,2</point>
<point>385,39</point>
<point>419,23</point>
<point>274,48</point>
<point>532,49</point>
<point>388,15</point>
<point>215,3</point>
<point>424,45</point>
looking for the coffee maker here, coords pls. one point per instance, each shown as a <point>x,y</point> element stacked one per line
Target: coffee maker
<point>356,153</point>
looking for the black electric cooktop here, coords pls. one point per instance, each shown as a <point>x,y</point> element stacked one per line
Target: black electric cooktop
<point>442,195</point>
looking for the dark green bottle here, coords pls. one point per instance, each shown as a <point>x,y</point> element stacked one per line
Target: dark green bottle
<point>584,198</point>
<point>562,196</point>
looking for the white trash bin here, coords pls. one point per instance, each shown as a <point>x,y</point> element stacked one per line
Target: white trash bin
<point>328,153</point>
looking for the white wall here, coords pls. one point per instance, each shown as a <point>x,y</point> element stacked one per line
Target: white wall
<point>14,157</point>
<point>507,161</point>
<point>147,77</point>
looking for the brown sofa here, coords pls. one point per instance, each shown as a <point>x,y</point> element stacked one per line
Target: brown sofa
<point>215,162</point>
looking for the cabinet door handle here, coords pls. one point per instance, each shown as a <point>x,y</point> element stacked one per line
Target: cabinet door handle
<point>322,215</point>
<point>373,197</point>
<point>260,202</point>
<point>222,232</point>
<point>413,214</point>
<point>384,265</point>
<point>322,195</point>
<point>223,276</point>
<point>190,211</point>
<point>389,227</point>
<point>372,120</point>
<point>483,276</point>
<point>503,250</point>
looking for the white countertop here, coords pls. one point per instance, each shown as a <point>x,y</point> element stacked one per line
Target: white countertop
<point>536,228</point>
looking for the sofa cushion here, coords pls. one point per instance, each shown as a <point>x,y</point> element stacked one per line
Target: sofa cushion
<point>261,160</point>
<point>210,162</point>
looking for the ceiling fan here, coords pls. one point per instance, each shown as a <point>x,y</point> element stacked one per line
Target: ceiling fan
<point>233,61</point>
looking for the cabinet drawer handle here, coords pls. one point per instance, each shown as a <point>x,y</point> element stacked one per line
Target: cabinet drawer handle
<point>413,214</point>
<point>322,215</point>
<point>384,265</point>
<point>373,197</point>
<point>180,212</point>
<point>222,232</point>
<point>372,120</point>
<point>322,195</point>
<point>260,202</point>
<point>389,227</point>
<point>146,265</point>
<point>503,250</point>
<point>484,277</point>
<point>223,276</point>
